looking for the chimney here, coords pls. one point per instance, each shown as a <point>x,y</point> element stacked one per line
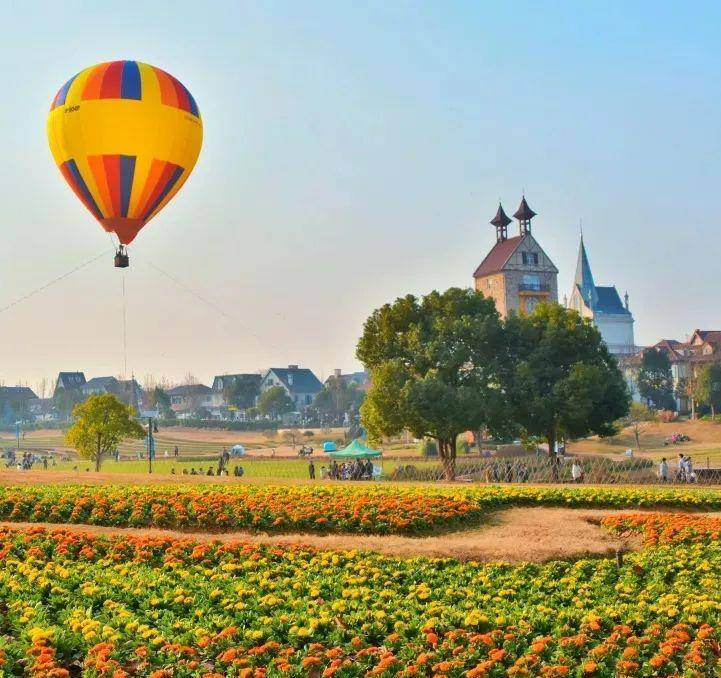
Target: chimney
<point>292,367</point>
<point>336,373</point>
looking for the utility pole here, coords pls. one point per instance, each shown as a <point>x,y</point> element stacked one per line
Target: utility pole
<point>150,415</point>
<point>17,434</point>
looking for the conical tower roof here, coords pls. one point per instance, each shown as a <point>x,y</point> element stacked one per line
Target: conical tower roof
<point>501,219</point>
<point>524,212</point>
<point>584,277</point>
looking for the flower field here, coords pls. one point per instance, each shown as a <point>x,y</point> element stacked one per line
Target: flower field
<point>121,606</point>
<point>353,509</point>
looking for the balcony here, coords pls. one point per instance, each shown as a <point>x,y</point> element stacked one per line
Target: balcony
<point>534,287</point>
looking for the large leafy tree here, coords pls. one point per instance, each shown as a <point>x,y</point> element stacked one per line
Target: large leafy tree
<point>437,366</point>
<point>101,423</point>
<point>707,387</point>
<point>274,402</point>
<point>158,399</point>
<point>565,381</point>
<point>655,381</point>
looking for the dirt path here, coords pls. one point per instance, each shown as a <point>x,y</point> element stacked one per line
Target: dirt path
<point>519,534</point>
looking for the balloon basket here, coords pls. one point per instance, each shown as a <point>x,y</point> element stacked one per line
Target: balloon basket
<point>122,260</point>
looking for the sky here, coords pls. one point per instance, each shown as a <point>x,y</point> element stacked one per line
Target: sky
<point>354,153</point>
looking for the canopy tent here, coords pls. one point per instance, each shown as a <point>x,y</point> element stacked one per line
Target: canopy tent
<point>356,450</point>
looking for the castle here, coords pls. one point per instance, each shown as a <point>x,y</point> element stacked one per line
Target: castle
<point>517,274</point>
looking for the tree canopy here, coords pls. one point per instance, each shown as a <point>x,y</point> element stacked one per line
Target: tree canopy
<point>101,423</point>
<point>707,387</point>
<point>275,402</point>
<point>655,381</point>
<point>565,381</point>
<point>242,391</point>
<point>338,397</point>
<point>436,368</point>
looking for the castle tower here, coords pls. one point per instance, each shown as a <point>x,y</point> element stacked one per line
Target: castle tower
<point>603,306</point>
<point>517,274</point>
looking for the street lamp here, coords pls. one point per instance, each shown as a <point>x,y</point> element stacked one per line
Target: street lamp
<point>150,415</point>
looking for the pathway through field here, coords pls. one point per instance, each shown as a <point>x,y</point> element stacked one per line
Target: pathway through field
<point>516,535</point>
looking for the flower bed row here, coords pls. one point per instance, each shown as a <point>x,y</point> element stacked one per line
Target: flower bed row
<point>124,606</point>
<point>369,509</point>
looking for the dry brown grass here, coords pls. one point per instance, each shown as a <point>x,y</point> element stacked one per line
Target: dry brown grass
<point>513,535</point>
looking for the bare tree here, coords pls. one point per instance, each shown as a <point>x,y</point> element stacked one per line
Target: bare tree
<point>190,379</point>
<point>41,389</point>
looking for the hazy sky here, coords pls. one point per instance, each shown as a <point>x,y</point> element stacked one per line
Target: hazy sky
<point>355,152</point>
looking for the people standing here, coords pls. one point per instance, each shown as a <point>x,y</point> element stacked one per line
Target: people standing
<point>663,471</point>
<point>576,472</point>
<point>311,470</point>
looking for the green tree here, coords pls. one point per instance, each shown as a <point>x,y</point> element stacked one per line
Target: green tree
<point>654,381</point>
<point>638,418</point>
<point>437,367</point>
<point>707,387</point>
<point>101,423</point>
<point>242,391</point>
<point>65,400</point>
<point>275,402</point>
<point>159,400</point>
<point>565,381</point>
<point>338,397</point>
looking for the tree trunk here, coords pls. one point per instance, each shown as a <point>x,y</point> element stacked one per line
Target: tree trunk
<point>98,455</point>
<point>638,442</point>
<point>551,438</point>
<point>713,412</point>
<point>447,453</point>
<point>693,409</point>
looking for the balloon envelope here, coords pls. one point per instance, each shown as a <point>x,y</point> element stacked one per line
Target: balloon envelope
<point>125,135</point>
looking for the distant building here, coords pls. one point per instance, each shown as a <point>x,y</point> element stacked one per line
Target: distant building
<point>186,400</point>
<point>299,383</point>
<point>69,381</point>
<point>223,382</point>
<point>686,357</point>
<point>127,390</point>
<point>602,305</point>
<point>517,274</point>
<point>361,379</point>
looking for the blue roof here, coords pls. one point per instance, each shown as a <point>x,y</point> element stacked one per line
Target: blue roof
<point>608,301</point>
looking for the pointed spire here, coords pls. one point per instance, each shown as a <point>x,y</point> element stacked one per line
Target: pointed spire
<point>524,214</point>
<point>625,300</point>
<point>501,221</point>
<point>584,278</point>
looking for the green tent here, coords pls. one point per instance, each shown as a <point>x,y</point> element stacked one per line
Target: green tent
<point>356,450</point>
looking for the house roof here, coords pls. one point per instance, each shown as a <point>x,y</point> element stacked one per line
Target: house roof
<point>234,377</point>
<point>360,378</point>
<point>17,393</point>
<point>71,379</point>
<point>297,379</point>
<point>100,382</point>
<point>710,336</point>
<point>498,256</point>
<point>524,212</point>
<point>190,390</point>
<point>608,301</point>
<point>584,278</point>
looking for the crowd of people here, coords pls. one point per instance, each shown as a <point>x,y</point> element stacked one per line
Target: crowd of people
<point>685,472</point>
<point>358,469</point>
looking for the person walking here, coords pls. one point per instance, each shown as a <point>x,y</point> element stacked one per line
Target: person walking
<point>311,470</point>
<point>663,471</point>
<point>576,472</point>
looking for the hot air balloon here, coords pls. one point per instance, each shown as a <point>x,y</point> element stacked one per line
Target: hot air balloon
<point>126,136</point>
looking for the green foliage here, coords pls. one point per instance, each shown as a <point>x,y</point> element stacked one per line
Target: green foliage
<point>462,445</point>
<point>275,402</point>
<point>565,382</point>
<point>159,400</point>
<point>437,365</point>
<point>707,387</point>
<point>242,391</point>
<point>654,381</point>
<point>428,447</point>
<point>101,423</point>
<point>639,415</point>
<point>338,397</point>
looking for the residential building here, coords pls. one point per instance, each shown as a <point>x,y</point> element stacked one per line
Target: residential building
<point>299,383</point>
<point>517,274</point>
<point>249,383</point>
<point>127,390</point>
<point>602,305</point>
<point>69,381</point>
<point>685,357</point>
<point>186,400</point>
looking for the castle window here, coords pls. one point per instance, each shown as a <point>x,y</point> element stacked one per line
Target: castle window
<point>529,258</point>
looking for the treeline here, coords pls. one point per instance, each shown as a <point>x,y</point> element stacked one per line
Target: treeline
<point>448,363</point>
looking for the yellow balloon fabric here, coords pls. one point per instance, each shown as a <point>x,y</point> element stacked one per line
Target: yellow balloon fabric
<point>126,136</point>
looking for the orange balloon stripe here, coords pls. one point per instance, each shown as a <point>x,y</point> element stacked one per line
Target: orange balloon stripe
<point>101,181</point>
<point>156,169</point>
<point>112,173</point>
<point>168,95</point>
<point>94,83</point>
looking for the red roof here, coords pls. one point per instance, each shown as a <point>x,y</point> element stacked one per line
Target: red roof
<point>496,259</point>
